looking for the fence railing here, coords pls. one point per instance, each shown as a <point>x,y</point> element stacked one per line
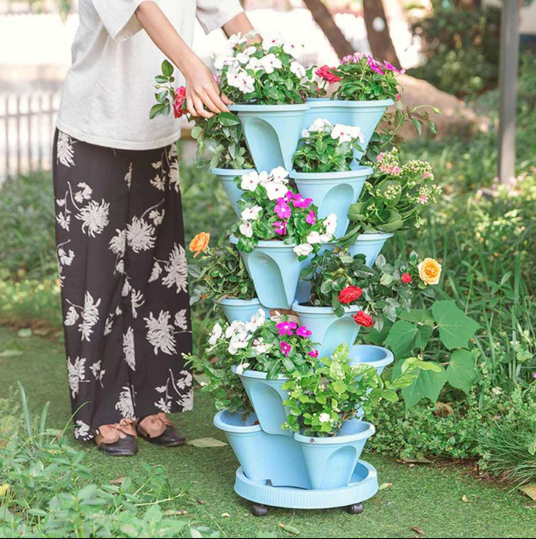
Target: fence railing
<point>26,131</point>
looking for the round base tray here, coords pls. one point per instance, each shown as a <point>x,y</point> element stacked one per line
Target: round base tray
<point>364,486</point>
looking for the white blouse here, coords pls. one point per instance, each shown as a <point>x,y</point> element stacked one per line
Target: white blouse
<point>109,89</point>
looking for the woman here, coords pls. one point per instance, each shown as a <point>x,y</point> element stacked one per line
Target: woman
<point>120,236</point>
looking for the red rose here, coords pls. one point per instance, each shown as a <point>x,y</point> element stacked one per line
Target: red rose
<point>325,73</point>
<point>179,105</point>
<point>350,294</point>
<point>407,278</point>
<point>363,319</point>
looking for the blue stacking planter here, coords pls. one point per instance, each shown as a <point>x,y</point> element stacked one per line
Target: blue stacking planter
<point>375,356</point>
<point>304,287</point>
<point>327,329</point>
<point>271,132</point>
<point>370,245</point>
<point>240,309</point>
<point>364,114</point>
<point>333,192</point>
<point>227,177</point>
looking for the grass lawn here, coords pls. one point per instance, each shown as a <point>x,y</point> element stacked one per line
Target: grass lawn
<point>427,498</point>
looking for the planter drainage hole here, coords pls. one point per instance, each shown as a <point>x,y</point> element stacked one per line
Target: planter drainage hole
<point>259,510</point>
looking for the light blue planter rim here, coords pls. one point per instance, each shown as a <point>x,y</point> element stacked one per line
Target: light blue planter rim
<point>256,375</point>
<point>238,302</point>
<point>336,177</point>
<point>269,108</point>
<point>374,236</point>
<point>231,172</point>
<point>312,310</point>
<point>234,429</point>
<point>351,104</point>
<point>267,244</point>
<point>387,360</point>
<point>339,440</point>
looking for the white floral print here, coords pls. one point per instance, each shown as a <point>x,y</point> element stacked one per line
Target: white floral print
<point>161,333</point>
<point>140,235</point>
<point>82,431</point>
<point>94,217</point>
<point>129,349</point>
<point>77,374</point>
<point>125,404</point>
<point>65,150</point>
<point>177,270</point>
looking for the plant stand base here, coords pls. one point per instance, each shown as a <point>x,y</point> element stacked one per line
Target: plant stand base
<point>364,486</point>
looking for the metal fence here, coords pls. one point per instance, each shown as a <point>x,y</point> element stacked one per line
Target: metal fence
<point>26,131</point>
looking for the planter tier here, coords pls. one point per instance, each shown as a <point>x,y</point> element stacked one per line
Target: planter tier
<point>240,309</point>
<point>227,177</point>
<point>333,192</point>
<point>303,293</point>
<point>377,357</point>
<point>328,330</point>
<point>364,114</point>
<point>370,245</point>
<point>271,132</point>
<point>275,270</point>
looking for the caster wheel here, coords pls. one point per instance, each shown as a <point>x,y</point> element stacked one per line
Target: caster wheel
<point>259,510</point>
<point>355,509</point>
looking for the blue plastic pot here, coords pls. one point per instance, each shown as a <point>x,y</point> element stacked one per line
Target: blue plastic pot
<point>264,457</point>
<point>375,356</point>
<point>227,177</point>
<point>303,293</point>
<point>271,132</point>
<point>328,330</point>
<point>275,270</point>
<point>333,192</point>
<point>364,114</point>
<point>370,245</point>
<point>240,309</point>
<point>331,461</point>
<point>266,397</point>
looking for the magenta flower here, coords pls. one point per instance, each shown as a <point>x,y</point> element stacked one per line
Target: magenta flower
<point>300,202</point>
<point>282,209</point>
<point>375,67</point>
<point>289,196</point>
<point>534,375</point>
<point>303,332</point>
<point>314,354</point>
<point>280,228</point>
<point>311,218</point>
<point>286,328</point>
<point>286,348</point>
<point>391,67</point>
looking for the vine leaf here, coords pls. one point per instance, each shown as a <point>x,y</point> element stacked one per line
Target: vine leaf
<point>455,328</point>
<point>461,372</point>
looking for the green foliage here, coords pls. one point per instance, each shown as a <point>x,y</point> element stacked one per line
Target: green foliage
<point>47,491</point>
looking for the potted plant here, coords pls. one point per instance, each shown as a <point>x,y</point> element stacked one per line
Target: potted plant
<point>220,275</point>
<point>323,169</point>
<point>220,135</point>
<point>323,411</point>
<point>278,230</point>
<point>263,77</point>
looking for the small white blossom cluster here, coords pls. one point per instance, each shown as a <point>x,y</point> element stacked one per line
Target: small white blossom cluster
<point>339,132</point>
<point>330,226</point>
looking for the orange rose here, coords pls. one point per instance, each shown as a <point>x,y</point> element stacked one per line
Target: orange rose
<point>430,271</point>
<point>200,243</point>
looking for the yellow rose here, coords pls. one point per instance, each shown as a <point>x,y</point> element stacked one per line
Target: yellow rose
<point>3,489</point>
<point>200,243</point>
<point>430,271</point>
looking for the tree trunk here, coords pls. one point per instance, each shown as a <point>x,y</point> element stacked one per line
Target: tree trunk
<point>380,41</point>
<point>325,20</point>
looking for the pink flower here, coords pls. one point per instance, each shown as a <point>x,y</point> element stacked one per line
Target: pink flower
<point>375,67</point>
<point>314,353</point>
<point>179,104</point>
<point>282,209</point>
<point>311,218</point>
<point>391,67</point>
<point>426,175</point>
<point>286,348</point>
<point>423,199</point>
<point>289,196</point>
<point>407,278</point>
<point>303,332</point>
<point>534,375</point>
<point>286,328</point>
<point>280,228</point>
<point>300,202</point>
<point>325,72</point>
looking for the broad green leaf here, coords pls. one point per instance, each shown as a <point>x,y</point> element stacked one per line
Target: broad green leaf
<point>455,328</point>
<point>427,386</point>
<point>167,68</point>
<point>461,373</point>
<point>401,339</point>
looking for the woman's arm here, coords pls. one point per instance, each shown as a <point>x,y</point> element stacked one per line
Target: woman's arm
<point>201,88</point>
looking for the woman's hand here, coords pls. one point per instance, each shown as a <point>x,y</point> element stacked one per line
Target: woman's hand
<point>202,90</point>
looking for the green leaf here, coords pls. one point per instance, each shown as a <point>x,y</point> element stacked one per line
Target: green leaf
<point>25,333</point>
<point>158,109</point>
<point>401,339</point>
<point>206,442</point>
<point>167,68</point>
<point>455,328</point>
<point>461,373</point>
<point>428,385</point>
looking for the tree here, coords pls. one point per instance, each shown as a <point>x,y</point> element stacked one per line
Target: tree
<point>378,34</point>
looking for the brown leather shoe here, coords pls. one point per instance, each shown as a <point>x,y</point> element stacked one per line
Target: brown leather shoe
<point>118,440</point>
<point>158,429</point>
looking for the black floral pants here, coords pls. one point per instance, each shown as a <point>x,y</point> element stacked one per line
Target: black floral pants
<point>123,270</point>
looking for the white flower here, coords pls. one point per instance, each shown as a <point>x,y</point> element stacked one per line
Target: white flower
<point>326,238</point>
<point>324,418</point>
<point>270,63</point>
<point>275,190</point>
<point>321,125</point>
<point>233,76</point>
<point>260,347</point>
<point>305,133</point>
<point>217,332</point>
<point>237,39</point>
<point>238,343</point>
<point>250,181</point>
<point>129,350</point>
<point>346,133</point>
<point>293,49</point>
<point>242,368</point>
<point>330,224</point>
<point>244,57</point>
<point>140,235</point>
<point>223,61</point>
<point>314,238</point>
<point>246,229</point>
<point>94,217</point>
<point>251,214</point>
<point>254,64</point>
<point>303,250</point>
<point>298,70</point>
<point>246,84</point>
<point>271,40</point>
<point>237,328</point>
<point>280,174</point>
<point>257,321</point>
<point>160,333</point>
<point>177,270</point>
